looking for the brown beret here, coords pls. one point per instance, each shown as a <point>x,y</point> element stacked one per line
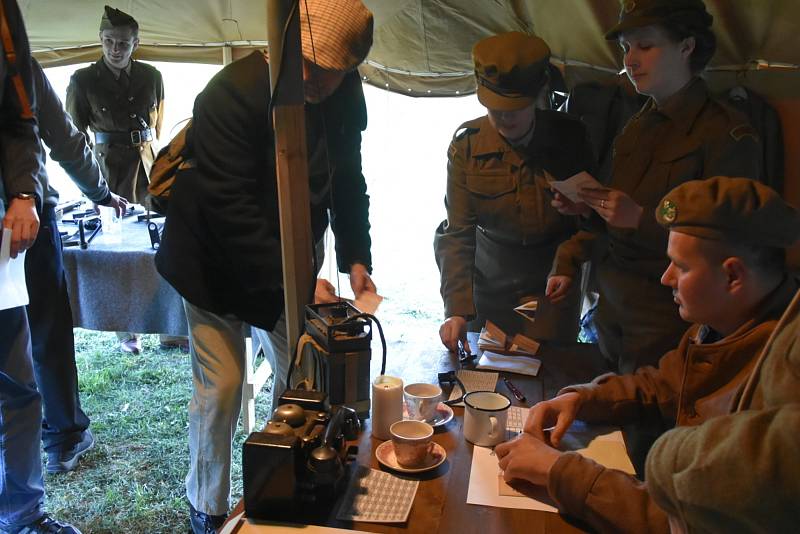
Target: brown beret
<point>739,210</point>
<point>335,34</point>
<point>113,18</point>
<point>510,68</point>
<point>639,13</point>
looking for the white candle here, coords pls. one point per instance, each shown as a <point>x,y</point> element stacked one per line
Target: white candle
<point>387,404</point>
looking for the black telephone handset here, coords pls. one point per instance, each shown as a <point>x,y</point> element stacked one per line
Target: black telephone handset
<point>325,462</point>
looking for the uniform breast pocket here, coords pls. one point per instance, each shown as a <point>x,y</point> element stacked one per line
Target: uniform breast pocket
<point>490,185</point>
<point>681,163</point>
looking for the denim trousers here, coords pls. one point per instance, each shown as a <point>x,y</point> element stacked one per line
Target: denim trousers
<point>50,320</point>
<point>217,350</point>
<point>21,483</point>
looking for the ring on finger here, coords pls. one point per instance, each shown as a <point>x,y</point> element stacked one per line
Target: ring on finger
<point>603,203</point>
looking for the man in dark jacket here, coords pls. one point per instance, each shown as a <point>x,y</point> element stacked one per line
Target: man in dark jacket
<point>21,191</point>
<point>65,430</point>
<point>221,245</point>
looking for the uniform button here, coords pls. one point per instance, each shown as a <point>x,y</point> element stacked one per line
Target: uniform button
<point>130,99</point>
<point>132,115</point>
<point>103,109</point>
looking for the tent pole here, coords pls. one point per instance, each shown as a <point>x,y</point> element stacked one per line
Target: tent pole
<point>286,80</point>
<point>227,55</point>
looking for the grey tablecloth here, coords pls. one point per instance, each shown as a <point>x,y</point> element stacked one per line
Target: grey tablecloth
<point>115,287</point>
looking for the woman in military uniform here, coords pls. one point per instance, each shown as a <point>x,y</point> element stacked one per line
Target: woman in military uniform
<point>496,246</point>
<point>680,134</point>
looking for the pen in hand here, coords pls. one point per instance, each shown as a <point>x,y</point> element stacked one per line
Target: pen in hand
<point>513,389</point>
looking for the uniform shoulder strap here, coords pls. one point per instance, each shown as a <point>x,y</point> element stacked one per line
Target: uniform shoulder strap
<point>11,58</point>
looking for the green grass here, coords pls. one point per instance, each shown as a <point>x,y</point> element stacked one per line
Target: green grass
<point>133,479</point>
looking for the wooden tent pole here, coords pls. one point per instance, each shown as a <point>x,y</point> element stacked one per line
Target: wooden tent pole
<point>286,79</point>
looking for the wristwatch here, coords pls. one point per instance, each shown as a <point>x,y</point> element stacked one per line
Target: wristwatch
<point>25,196</point>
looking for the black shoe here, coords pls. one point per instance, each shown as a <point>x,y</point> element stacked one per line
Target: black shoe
<point>63,461</point>
<point>201,523</point>
<point>46,525</point>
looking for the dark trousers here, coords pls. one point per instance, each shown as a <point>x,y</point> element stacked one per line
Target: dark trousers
<point>50,319</point>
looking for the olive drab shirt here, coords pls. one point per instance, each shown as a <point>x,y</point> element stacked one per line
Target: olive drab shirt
<point>504,191</point>
<point>96,99</point>
<point>691,138</point>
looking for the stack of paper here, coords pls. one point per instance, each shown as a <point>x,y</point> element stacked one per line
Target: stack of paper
<point>493,339</point>
<point>509,363</point>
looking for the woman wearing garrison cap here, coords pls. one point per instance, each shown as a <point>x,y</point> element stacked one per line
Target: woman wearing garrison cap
<point>680,134</point>
<point>496,246</point>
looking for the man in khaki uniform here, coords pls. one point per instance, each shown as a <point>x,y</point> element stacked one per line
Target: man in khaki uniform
<point>739,472</point>
<point>727,274</point>
<point>495,248</point>
<point>122,101</point>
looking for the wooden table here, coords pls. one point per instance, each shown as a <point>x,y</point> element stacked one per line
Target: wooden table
<point>440,504</point>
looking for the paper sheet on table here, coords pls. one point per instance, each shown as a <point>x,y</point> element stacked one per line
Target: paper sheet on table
<point>570,187</point>
<point>486,485</point>
<point>473,381</point>
<point>523,365</point>
<point>13,290</point>
<point>250,526</point>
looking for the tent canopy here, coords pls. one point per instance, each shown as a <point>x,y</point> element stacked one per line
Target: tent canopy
<point>422,47</point>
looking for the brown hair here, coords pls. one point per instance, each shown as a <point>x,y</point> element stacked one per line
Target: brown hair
<point>697,25</point>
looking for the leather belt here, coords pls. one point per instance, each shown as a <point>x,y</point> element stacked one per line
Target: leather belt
<point>132,138</point>
<point>544,241</point>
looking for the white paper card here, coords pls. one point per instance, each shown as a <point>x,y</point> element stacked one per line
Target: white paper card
<point>473,381</point>
<point>13,290</point>
<point>523,365</point>
<point>570,187</point>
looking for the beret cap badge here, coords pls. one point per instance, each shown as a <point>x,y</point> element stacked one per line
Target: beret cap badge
<point>668,211</point>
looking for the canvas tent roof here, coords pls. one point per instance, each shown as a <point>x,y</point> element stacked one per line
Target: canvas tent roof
<point>422,47</point>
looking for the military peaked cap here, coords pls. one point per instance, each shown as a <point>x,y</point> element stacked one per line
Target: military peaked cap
<point>639,13</point>
<point>510,70</point>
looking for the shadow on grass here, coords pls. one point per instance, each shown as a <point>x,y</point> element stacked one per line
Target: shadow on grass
<point>133,479</point>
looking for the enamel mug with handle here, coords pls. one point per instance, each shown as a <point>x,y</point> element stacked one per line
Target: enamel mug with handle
<point>485,417</point>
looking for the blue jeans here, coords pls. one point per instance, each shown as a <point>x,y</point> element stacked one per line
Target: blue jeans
<point>21,484</point>
<point>50,321</point>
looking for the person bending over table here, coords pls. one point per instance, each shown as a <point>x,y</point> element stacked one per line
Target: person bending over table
<point>727,239</point>
<point>496,246</point>
<point>221,245</point>
<point>739,472</point>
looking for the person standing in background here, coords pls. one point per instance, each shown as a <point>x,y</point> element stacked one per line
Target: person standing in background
<point>122,101</point>
<point>21,192</point>
<point>65,427</point>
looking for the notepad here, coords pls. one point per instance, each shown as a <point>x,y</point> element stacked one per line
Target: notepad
<point>523,365</point>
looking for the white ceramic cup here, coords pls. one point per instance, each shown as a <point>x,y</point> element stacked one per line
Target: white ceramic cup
<point>421,401</point>
<point>413,442</point>
<point>485,416</point>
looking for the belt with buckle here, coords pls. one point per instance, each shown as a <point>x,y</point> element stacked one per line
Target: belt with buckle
<point>132,138</point>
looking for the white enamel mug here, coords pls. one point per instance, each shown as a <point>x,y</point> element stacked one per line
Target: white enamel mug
<point>485,416</point>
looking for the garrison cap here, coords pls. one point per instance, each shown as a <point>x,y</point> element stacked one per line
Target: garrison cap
<point>739,210</point>
<point>336,34</point>
<point>639,13</point>
<point>113,18</point>
<point>510,69</point>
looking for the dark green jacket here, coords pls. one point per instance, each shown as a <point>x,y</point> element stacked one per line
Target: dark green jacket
<point>221,246</point>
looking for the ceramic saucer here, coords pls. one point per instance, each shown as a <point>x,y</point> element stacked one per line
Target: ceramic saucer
<point>385,455</point>
<point>444,414</point>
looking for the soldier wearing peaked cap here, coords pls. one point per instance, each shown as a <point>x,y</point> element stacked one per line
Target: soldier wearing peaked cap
<point>221,245</point>
<point>495,248</point>
<point>121,101</point>
<point>680,134</point>
<point>727,239</point>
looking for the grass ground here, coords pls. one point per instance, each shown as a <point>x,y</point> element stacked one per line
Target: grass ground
<point>132,481</point>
